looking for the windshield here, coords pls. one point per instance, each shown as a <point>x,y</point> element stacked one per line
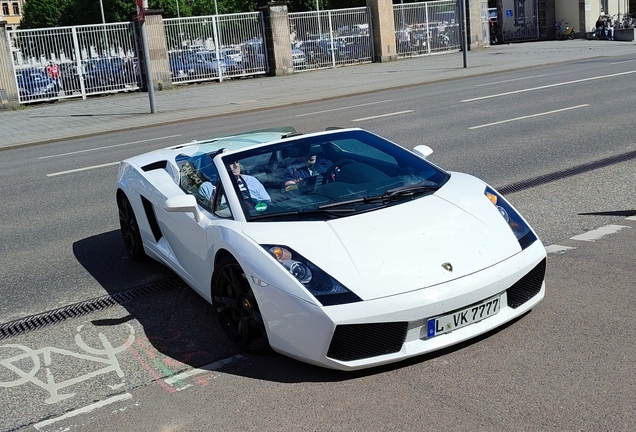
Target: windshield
<point>329,175</point>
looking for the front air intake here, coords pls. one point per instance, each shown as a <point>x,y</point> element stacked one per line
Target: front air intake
<point>527,287</point>
<point>359,341</point>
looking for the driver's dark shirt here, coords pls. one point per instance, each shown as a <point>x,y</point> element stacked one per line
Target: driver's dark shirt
<point>301,170</point>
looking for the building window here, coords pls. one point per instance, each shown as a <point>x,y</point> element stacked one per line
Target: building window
<point>16,9</point>
<point>5,9</point>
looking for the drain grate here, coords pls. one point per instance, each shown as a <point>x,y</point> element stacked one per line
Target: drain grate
<point>559,175</point>
<point>35,322</point>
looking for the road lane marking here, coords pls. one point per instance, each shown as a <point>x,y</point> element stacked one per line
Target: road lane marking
<point>511,80</point>
<point>108,147</point>
<point>83,410</point>
<point>343,108</point>
<point>383,115</point>
<point>548,86</point>
<point>528,116</point>
<point>82,169</point>
<point>624,61</point>
<point>599,233</point>
<point>558,249</point>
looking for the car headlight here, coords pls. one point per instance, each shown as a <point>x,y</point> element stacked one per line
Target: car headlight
<point>521,230</point>
<point>323,287</point>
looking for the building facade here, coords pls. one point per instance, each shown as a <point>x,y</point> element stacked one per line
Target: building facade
<point>11,12</point>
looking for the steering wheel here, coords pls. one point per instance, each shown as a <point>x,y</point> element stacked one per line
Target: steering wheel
<point>329,176</point>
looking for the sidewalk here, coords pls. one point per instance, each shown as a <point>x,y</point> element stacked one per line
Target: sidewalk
<point>71,118</point>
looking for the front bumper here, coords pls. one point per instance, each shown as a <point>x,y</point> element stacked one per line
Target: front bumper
<point>386,330</point>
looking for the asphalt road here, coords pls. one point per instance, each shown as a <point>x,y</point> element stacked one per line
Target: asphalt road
<point>565,365</point>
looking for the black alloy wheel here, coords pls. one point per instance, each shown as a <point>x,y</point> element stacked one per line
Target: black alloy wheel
<point>236,307</point>
<point>130,229</point>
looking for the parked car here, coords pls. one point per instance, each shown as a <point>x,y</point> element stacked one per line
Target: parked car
<point>208,62</point>
<point>34,84</point>
<point>103,74</point>
<point>376,256</point>
<point>298,58</point>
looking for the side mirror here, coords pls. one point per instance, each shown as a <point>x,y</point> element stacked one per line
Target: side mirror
<point>183,204</point>
<point>423,151</point>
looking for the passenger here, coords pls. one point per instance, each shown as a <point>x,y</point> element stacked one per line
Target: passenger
<point>249,186</point>
<point>307,165</point>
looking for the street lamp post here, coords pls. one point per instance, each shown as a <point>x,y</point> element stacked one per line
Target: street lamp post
<point>319,25</point>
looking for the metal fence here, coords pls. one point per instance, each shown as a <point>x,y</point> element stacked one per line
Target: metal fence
<point>325,39</point>
<point>426,28</point>
<point>215,47</point>
<point>65,62</point>
<point>520,22</point>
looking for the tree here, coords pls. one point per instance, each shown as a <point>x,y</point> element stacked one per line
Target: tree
<point>43,13</point>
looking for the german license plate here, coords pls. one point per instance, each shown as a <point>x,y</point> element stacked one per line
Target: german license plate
<point>462,318</point>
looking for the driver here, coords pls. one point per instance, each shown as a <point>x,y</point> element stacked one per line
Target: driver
<point>306,165</point>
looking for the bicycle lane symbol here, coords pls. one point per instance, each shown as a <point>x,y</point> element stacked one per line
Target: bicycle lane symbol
<point>105,356</point>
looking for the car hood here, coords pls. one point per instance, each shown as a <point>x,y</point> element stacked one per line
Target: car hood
<point>403,247</point>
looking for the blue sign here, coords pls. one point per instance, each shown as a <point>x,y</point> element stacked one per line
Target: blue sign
<point>508,12</point>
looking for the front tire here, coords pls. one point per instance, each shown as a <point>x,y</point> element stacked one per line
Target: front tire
<point>558,35</point>
<point>130,229</point>
<point>236,307</point>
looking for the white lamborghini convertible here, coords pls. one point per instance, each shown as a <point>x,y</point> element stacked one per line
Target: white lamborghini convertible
<point>337,248</point>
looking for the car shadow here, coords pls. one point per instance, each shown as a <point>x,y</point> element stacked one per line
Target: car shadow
<point>180,327</point>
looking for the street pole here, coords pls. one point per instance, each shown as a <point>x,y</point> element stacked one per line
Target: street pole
<point>178,14</point>
<point>216,8</point>
<point>318,17</point>
<point>101,6</point>
<point>149,81</point>
<point>462,12</point>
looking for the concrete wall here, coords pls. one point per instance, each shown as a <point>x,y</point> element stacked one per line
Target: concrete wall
<point>8,87</point>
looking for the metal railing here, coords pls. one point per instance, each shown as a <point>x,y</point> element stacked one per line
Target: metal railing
<point>327,39</point>
<point>77,61</point>
<point>215,47</point>
<point>426,28</point>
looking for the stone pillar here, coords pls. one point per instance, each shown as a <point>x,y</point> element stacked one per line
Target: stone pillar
<point>475,32</point>
<point>157,46</point>
<point>8,87</point>
<point>383,30</point>
<point>277,37</point>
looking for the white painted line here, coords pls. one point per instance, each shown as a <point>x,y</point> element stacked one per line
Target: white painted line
<point>82,169</point>
<point>599,233</point>
<point>343,108</point>
<point>631,218</point>
<point>548,86</point>
<point>511,80</point>
<point>528,116</point>
<point>84,410</point>
<point>383,115</point>
<point>108,147</point>
<point>209,368</point>
<point>558,249</point>
<point>624,61</point>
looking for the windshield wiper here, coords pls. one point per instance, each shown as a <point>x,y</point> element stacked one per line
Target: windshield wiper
<point>300,212</point>
<point>389,195</point>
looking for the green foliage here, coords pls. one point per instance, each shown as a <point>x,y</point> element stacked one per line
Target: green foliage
<point>54,13</point>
